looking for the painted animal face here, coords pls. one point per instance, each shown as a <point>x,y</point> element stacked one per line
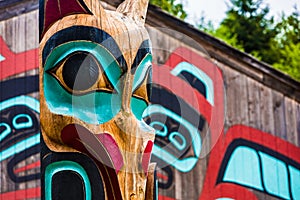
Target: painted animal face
<point>94,68</point>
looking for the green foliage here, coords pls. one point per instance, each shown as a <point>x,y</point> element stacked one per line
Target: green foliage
<point>171,7</point>
<point>289,61</point>
<point>288,45</point>
<point>205,25</point>
<point>289,28</point>
<point>248,28</point>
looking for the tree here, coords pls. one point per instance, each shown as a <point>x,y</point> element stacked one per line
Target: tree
<point>171,7</point>
<point>289,28</point>
<point>247,28</point>
<point>288,44</point>
<point>205,25</point>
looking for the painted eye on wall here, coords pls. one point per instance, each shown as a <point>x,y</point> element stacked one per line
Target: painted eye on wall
<point>80,73</point>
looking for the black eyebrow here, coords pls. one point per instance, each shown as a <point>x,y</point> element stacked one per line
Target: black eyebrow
<point>87,33</point>
<point>177,105</point>
<point>144,49</point>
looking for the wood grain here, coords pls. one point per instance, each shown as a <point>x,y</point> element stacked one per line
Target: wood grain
<point>125,28</point>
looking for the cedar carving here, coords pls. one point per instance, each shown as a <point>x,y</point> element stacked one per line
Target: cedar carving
<point>95,66</point>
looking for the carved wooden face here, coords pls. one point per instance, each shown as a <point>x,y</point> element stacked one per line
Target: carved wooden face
<point>94,69</point>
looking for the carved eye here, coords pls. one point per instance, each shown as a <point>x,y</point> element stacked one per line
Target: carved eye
<point>81,72</point>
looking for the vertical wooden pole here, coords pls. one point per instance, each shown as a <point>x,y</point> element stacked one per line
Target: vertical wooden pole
<point>95,66</point>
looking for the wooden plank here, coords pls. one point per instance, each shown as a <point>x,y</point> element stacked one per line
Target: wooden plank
<point>31,30</point>
<point>241,100</point>
<point>266,110</point>
<point>228,76</point>
<point>19,37</point>
<point>199,172</point>
<point>279,115</point>
<point>254,118</point>
<point>8,33</point>
<point>291,120</point>
<point>191,182</point>
<point>21,33</point>
<point>162,45</point>
<point>169,192</point>
<point>267,120</point>
<point>178,185</point>
<point>12,8</point>
<point>236,97</point>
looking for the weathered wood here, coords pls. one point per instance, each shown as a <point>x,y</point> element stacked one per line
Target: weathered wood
<point>247,64</point>
<point>12,8</point>
<point>266,110</point>
<point>291,121</point>
<point>31,28</point>
<point>234,58</point>
<point>18,90</point>
<point>235,91</point>
<point>253,89</point>
<point>279,115</point>
<point>256,96</point>
<point>21,33</point>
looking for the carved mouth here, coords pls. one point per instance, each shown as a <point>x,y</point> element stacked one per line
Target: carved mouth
<point>101,147</point>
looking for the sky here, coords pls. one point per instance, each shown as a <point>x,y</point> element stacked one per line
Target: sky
<point>214,10</point>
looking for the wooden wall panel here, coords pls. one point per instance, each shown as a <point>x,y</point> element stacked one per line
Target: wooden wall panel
<point>253,89</point>
<point>260,116</point>
<point>19,108</point>
<point>256,111</point>
<point>235,93</point>
<point>279,115</point>
<point>21,32</point>
<point>291,109</point>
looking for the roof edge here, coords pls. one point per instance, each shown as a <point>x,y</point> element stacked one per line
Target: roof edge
<point>13,8</point>
<point>271,76</point>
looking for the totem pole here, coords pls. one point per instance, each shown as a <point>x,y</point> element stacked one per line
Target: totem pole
<point>95,66</point>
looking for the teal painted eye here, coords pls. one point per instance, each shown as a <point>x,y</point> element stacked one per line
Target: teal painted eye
<point>80,71</point>
<point>81,80</point>
<point>86,60</point>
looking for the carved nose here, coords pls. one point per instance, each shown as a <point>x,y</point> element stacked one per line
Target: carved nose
<point>136,139</point>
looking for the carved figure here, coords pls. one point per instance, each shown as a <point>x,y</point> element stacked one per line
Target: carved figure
<point>94,68</point>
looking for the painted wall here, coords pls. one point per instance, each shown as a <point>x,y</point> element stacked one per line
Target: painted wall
<point>220,134</point>
<point>19,109</point>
